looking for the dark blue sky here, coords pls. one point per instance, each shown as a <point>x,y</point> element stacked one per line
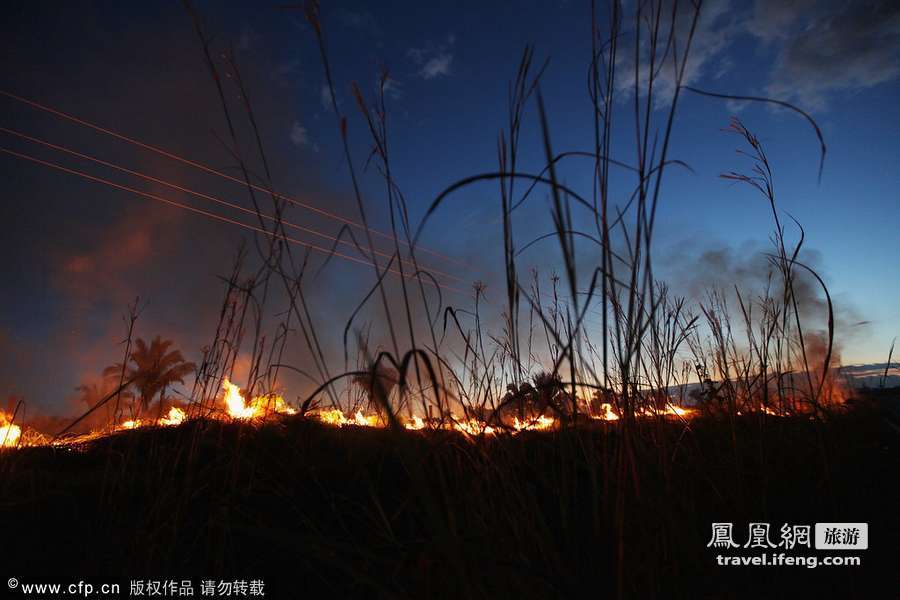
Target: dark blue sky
<point>78,252</point>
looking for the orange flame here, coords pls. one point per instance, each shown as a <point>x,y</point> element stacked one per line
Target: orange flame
<point>608,414</point>
<point>365,420</point>
<point>472,427</point>
<point>540,423</point>
<point>259,406</point>
<point>175,416</point>
<point>9,432</point>
<point>415,424</point>
<point>267,406</point>
<point>337,418</point>
<point>330,417</point>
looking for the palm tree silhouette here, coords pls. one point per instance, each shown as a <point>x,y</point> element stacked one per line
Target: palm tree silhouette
<point>153,368</point>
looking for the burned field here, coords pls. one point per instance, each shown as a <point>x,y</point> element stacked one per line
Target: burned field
<point>368,512</point>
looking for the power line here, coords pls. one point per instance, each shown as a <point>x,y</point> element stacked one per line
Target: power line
<point>210,214</point>
<point>205,196</point>
<point>212,171</point>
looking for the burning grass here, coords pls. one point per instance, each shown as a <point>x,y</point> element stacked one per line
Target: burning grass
<point>233,406</point>
<point>371,512</point>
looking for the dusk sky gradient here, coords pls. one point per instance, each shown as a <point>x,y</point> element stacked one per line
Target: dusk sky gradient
<point>76,252</point>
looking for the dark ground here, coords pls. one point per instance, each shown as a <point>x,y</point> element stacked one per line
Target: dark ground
<point>321,512</point>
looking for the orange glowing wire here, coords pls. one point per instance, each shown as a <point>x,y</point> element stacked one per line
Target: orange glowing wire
<point>211,214</point>
<point>212,171</point>
<point>206,196</point>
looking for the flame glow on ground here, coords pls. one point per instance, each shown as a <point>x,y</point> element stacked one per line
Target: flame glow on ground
<point>234,406</point>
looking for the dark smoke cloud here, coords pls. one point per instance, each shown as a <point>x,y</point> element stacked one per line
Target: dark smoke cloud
<point>825,46</point>
<point>694,270</point>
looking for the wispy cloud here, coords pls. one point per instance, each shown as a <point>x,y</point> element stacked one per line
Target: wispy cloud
<point>392,88</point>
<point>771,21</point>
<point>715,30</point>
<point>434,59</point>
<point>363,21</point>
<point>299,134</point>
<point>436,66</point>
<point>300,137</point>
